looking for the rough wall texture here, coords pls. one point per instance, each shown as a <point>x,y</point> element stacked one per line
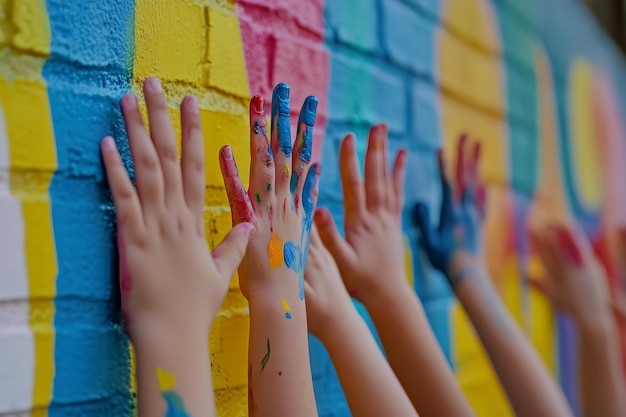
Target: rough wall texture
<point>536,81</point>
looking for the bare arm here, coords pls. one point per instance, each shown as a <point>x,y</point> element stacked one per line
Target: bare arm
<point>453,247</point>
<point>371,262</point>
<point>577,284</point>
<point>368,382</point>
<point>280,203</point>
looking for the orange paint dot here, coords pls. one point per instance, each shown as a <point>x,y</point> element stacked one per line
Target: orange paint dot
<point>275,250</point>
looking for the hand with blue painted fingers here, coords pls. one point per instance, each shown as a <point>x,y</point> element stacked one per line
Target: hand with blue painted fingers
<point>358,361</point>
<point>455,242</point>
<point>171,285</point>
<point>279,202</point>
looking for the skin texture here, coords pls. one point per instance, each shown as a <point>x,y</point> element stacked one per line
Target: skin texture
<point>528,385</point>
<point>359,363</point>
<point>576,283</point>
<point>271,276</point>
<point>371,262</point>
<point>172,286</point>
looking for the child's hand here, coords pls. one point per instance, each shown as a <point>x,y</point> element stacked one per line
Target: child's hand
<point>327,300</point>
<point>575,281</point>
<point>281,197</point>
<point>372,255</point>
<point>169,281</point>
<point>456,240</point>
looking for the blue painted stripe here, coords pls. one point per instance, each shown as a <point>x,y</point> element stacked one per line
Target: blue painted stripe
<point>92,48</point>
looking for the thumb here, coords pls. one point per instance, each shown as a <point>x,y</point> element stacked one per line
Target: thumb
<point>228,254</point>
<point>421,217</point>
<point>336,245</point>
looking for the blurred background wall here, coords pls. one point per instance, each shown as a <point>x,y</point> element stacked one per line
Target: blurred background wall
<point>537,81</point>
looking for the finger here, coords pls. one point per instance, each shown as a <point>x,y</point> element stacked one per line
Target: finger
<point>544,286</point>
<point>230,252</point>
<point>332,240</point>
<point>147,167</point>
<point>262,163</point>
<point>568,247</point>
<point>281,137</point>
<point>447,203</point>
<point>474,167</point>
<point>164,140</point>
<point>461,167</point>
<point>127,206</point>
<point>545,247</point>
<point>309,195</point>
<point>238,198</point>
<point>618,304</point>
<point>303,147</point>
<point>315,237</point>
<point>352,184</point>
<point>194,180</point>
<point>387,177</point>
<point>399,173</point>
<point>374,167</point>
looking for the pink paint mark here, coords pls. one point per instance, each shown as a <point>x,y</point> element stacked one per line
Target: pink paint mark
<point>297,201</point>
<point>280,373</point>
<point>569,245</point>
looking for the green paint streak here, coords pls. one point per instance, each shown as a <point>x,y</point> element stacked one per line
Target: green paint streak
<point>269,186</point>
<point>258,198</point>
<point>266,358</point>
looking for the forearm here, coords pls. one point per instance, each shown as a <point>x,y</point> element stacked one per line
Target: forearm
<point>279,371</point>
<point>415,355</point>
<point>528,385</point>
<point>602,386</point>
<point>368,382</point>
<point>174,374</point>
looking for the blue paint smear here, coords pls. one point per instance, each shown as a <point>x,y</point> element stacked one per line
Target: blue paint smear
<point>294,261</point>
<point>175,407</point>
<point>307,117</point>
<point>288,315</point>
<point>280,117</point>
<point>92,48</point>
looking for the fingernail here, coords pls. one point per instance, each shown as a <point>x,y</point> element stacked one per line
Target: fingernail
<point>130,101</point>
<point>108,144</point>
<point>247,228</point>
<point>153,84</point>
<point>281,91</point>
<point>258,104</point>
<point>192,105</point>
<point>307,116</point>
<point>227,152</point>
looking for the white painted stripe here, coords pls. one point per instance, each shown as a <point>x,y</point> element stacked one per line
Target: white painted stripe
<point>16,340</point>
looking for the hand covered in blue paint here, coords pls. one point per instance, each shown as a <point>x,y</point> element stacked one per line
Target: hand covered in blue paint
<point>457,234</point>
<point>371,257</point>
<point>280,200</point>
<point>169,281</point>
<point>327,300</point>
<point>575,281</point>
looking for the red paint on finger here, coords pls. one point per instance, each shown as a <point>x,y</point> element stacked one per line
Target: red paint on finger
<point>568,244</point>
<point>461,167</point>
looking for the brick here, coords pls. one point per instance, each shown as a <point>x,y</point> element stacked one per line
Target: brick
<point>408,37</point>
<point>257,48</point>
<point>31,26</point>
<point>307,15</point>
<point>170,40</point>
<point>97,34</point>
<point>361,32</point>
<point>425,120</point>
<point>304,66</point>
<point>362,93</point>
<point>473,22</point>
<point>470,74</point>
<point>229,344</point>
<point>430,8</point>
<point>227,66</point>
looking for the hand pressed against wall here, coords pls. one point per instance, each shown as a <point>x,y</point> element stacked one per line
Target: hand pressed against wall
<point>462,210</point>
<point>172,286</point>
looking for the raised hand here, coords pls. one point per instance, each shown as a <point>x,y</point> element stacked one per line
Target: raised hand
<point>280,202</point>
<point>371,258</point>
<point>458,225</point>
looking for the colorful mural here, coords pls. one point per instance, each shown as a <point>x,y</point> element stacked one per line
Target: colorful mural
<point>536,81</point>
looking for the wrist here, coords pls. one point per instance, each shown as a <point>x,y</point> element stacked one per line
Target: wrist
<point>596,323</point>
<point>336,330</point>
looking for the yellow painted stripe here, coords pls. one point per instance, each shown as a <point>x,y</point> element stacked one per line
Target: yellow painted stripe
<point>32,159</point>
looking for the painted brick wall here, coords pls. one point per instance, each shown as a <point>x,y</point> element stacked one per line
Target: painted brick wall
<point>536,81</point>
